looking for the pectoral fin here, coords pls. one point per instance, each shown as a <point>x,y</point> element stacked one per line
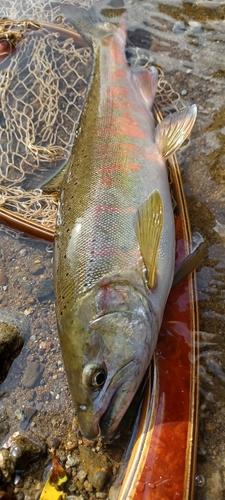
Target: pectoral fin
<point>174,130</point>
<point>148,227</point>
<point>192,260</point>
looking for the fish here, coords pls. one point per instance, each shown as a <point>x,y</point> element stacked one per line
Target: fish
<point>114,249</point>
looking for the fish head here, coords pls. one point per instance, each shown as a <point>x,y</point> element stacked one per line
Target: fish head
<point>113,342</point>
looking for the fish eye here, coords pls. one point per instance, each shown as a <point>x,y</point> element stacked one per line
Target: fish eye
<point>99,378</point>
<point>94,376</point>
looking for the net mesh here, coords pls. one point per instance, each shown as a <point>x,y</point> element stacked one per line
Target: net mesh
<point>44,75</point>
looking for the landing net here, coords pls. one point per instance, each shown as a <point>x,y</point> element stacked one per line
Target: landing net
<point>44,75</point>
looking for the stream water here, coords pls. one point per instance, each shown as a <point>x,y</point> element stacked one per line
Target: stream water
<point>187,40</point>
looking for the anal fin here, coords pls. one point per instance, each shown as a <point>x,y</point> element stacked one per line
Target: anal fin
<point>192,260</point>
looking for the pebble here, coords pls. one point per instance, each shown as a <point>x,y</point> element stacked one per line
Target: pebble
<point>99,478</point>
<point>23,252</point>
<point>32,374</point>
<point>20,414</point>
<point>88,486</point>
<point>179,27</point>
<point>81,475</point>
<point>195,27</point>
<point>72,461</point>
<point>38,269</point>
<point>97,466</point>
<point>183,92</point>
<point>46,290</point>
<point>72,444</point>
<point>3,279</point>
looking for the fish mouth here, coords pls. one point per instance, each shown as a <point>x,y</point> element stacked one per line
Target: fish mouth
<point>105,429</point>
<point>105,420</point>
<point>118,403</point>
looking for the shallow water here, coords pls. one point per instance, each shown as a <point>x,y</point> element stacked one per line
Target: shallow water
<point>193,61</point>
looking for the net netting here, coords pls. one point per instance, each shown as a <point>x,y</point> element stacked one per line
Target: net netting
<point>44,73</point>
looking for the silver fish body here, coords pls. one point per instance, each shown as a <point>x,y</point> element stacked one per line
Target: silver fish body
<point>115,243</point>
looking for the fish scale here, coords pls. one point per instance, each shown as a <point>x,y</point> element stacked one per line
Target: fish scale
<point>114,179</point>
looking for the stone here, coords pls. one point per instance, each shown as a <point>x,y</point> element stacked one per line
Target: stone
<point>179,27</point>
<point>23,450</point>
<point>11,343</point>
<point>32,374</point>
<point>46,290</point>
<point>18,320</point>
<point>3,279</point>
<point>72,461</point>
<point>4,422</point>
<point>7,465</point>
<point>38,269</point>
<point>81,475</point>
<point>97,466</point>
<point>195,27</point>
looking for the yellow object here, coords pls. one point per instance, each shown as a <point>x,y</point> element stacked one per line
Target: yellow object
<point>57,477</point>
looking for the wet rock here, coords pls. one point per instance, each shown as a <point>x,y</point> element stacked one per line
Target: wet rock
<point>4,422</point>
<point>7,466</point>
<point>22,450</point>
<point>46,290</point>
<point>97,466</point>
<point>38,269</point>
<point>32,374</point>
<point>179,27</point>
<point>18,320</point>
<point>27,289</point>
<point>195,27</point>
<point>11,343</point>
<point>99,478</point>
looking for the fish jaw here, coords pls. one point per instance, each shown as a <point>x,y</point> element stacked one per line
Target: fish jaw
<point>118,330</point>
<point>109,407</point>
